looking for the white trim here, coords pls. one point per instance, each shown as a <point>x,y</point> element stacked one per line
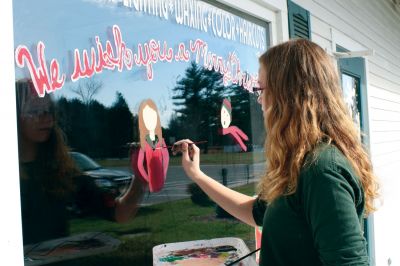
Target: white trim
<point>338,38</point>
<point>271,11</point>
<point>11,229</point>
<point>352,54</point>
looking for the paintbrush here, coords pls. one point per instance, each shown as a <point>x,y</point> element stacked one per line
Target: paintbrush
<point>176,146</point>
<point>241,258</point>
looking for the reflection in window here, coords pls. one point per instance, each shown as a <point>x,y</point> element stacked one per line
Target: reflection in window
<point>350,86</point>
<point>96,110</point>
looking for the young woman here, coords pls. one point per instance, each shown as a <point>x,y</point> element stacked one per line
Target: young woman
<point>48,174</point>
<point>319,183</point>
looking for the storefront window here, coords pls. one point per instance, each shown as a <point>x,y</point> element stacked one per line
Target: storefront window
<point>104,88</point>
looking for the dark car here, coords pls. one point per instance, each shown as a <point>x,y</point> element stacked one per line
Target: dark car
<point>97,187</point>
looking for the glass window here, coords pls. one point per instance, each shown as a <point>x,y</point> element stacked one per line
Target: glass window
<point>104,88</point>
<point>350,86</point>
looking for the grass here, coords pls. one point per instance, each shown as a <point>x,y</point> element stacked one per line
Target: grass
<point>210,158</point>
<point>175,221</point>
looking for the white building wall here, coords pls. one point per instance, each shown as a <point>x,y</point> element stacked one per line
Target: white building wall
<point>372,24</point>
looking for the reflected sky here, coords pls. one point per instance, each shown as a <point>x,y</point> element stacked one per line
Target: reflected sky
<point>65,25</point>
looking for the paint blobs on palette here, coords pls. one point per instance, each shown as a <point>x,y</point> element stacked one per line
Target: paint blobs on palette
<point>209,256</point>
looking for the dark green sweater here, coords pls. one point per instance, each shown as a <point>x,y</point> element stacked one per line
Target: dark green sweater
<point>320,224</point>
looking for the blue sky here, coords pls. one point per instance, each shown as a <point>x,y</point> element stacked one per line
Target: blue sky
<point>65,25</point>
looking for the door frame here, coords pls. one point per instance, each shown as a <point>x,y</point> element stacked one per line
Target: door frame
<point>356,67</point>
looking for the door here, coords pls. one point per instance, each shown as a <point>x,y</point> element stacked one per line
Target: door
<point>353,82</point>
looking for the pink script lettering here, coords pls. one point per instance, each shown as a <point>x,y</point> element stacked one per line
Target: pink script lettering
<point>117,55</point>
<point>42,81</point>
<point>109,59</point>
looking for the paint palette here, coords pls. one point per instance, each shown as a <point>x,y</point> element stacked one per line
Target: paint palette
<point>212,252</point>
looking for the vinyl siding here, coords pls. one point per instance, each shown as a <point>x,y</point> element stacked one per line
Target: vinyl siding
<point>373,24</point>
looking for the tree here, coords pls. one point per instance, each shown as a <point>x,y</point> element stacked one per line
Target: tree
<point>197,97</point>
<point>97,133</point>
<point>72,118</point>
<point>94,129</point>
<point>120,126</point>
<point>87,89</point>
<point>247,114</point>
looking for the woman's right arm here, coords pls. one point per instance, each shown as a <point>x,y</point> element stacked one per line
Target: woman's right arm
<point>237,204</point>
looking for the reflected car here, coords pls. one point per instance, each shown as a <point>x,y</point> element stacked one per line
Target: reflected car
<point>97,186</point>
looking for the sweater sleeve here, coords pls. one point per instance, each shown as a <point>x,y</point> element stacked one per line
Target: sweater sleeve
<point>329,202</point>
<point>259,208</point>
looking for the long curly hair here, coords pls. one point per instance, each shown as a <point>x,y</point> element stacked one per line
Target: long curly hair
<point>304,106</point>
<point>52,160</point>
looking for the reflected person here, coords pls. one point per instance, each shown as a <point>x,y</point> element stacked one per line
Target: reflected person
<point>48,175</point>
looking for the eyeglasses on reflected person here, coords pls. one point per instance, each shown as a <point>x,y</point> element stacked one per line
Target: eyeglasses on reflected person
<point>258,91</point>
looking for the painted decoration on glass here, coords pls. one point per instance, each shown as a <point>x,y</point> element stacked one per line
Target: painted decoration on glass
<point>150,160</point>
<point>234,132</point>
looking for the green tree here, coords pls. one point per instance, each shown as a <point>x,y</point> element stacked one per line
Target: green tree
<point>83,125</point>
<point>247,115</point>
<point>97,129</point>
<point>120,126</point>
<point>197,97</point>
